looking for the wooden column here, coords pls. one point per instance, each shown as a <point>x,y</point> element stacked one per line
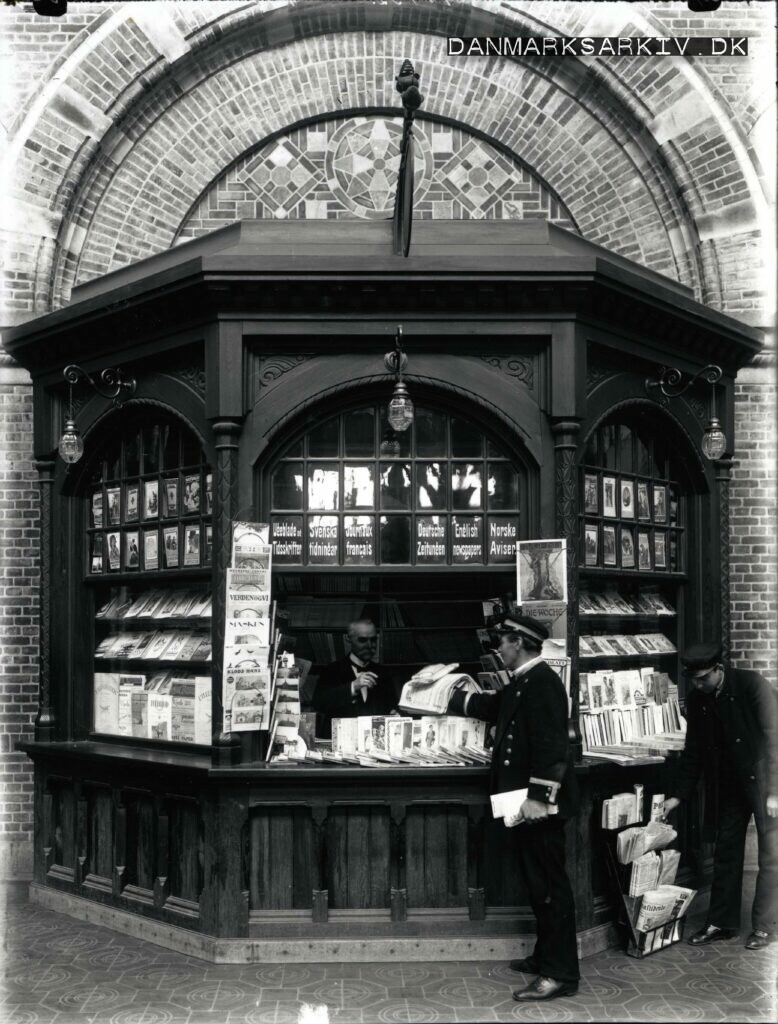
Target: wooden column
<point>226,746</point>
<point>224,408</point>
<point>568,399</point>
<point>224,903</point>
<point>45,721</point>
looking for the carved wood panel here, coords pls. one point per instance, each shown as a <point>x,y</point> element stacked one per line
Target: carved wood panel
<point>100,840</point>
<point>184,850</point>
<point>282,869</point>
<point>358,857</point>
<point>436,857</point>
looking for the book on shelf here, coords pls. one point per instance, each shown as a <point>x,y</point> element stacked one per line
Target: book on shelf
<point>430,690</point>
<point>106,702</point>
<point>139,712</point>
<point>431,740</point>
<point>160,639</point>
<point>159,715</point>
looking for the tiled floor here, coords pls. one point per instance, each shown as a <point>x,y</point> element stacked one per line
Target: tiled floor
<point>61,971</point>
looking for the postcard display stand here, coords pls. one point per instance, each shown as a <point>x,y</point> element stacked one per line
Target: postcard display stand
<point>642,867</point>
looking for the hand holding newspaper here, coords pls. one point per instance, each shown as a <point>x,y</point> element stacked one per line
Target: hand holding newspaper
<point>430,690</point>
<point>508,806</point>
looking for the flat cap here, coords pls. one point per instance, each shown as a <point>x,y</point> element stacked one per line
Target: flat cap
<point>525,626</point>
<point>700,658</point>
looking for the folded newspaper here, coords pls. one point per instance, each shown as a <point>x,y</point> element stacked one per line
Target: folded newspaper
<point>635,842</point>
<point>429,691</point>
<point>663,904</point>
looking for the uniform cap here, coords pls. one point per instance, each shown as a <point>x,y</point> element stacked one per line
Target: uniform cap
<point>523,625</point>
<point>700,658</point>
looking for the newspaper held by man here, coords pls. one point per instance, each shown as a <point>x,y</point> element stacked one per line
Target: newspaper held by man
<point>429,691</point>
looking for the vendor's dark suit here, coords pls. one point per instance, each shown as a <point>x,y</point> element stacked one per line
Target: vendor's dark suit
<point>333,698</point>
<point>531,750</point>
<point>732,737</point>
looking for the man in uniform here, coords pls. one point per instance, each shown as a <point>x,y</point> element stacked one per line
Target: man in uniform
<point>354,685</point>
<point>531,751</point>
<point>732,737</point>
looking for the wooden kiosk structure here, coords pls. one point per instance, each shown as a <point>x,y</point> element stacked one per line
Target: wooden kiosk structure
<point>258,355</point>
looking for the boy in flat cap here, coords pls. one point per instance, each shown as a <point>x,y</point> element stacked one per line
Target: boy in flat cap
<point>531,750</point>
<point>732,737</point>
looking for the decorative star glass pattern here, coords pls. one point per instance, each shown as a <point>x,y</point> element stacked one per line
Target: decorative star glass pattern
<point>363,162</point>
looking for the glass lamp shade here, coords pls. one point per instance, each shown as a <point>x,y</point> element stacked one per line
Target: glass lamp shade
<point>400,412</point>
<point>71,445</point>
<point>714,441</point>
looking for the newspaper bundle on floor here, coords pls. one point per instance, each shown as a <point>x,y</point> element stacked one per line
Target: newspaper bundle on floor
<point>663,904</point>
<point>246,676</point>
<point>635,842</point>
<point>429,691</point>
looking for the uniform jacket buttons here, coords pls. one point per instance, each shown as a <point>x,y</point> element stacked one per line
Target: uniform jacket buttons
<point>509,750</point>
<point>737,740</point>
<point>506,763</point>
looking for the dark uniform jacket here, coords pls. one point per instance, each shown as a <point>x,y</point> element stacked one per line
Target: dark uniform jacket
<point>332,697</point>
<point>745,749</point>
<point>531,747</point>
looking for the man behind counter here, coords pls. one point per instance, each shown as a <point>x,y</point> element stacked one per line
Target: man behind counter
<point>354,685</point>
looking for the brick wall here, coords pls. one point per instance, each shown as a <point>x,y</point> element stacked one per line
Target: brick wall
<point>19,616</point>
<point>754,525</point>
<point>154,132</point>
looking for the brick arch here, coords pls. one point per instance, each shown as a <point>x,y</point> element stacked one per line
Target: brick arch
<point>633,189</point>
<point>137,205</point>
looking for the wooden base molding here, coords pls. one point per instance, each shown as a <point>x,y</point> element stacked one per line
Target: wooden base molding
<point>450,947</point>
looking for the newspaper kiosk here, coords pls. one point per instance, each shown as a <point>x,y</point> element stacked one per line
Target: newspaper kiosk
<point>261,395</point>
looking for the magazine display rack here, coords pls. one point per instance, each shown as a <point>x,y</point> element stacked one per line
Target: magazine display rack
<point>641,941</point>
<point>148,554</point>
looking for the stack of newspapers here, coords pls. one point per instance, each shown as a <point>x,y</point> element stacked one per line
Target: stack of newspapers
<point>433,740</point>
<point>662,905</point>
<point>635,842</point>
<point>429,691</point>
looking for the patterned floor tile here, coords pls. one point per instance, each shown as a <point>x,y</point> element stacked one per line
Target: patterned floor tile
<point>61,971</point>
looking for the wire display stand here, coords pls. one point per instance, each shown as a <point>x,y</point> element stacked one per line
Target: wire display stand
<point>639,943</point>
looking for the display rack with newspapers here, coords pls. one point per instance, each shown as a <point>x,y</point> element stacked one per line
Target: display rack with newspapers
<point>644,868</point>
<point>246,675</point>
<point>630,716</point>
<point>152,676</point>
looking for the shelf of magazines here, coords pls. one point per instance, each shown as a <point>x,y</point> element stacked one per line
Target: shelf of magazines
<point>152,678</point>
<point>422,737</point>
<point>629,717</point>
<point>643,868</point>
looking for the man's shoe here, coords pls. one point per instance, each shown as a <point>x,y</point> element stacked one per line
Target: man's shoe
<point>758,940</point>
<point>525,966</point>
<point>711,933</point>
<point>545,988</point>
